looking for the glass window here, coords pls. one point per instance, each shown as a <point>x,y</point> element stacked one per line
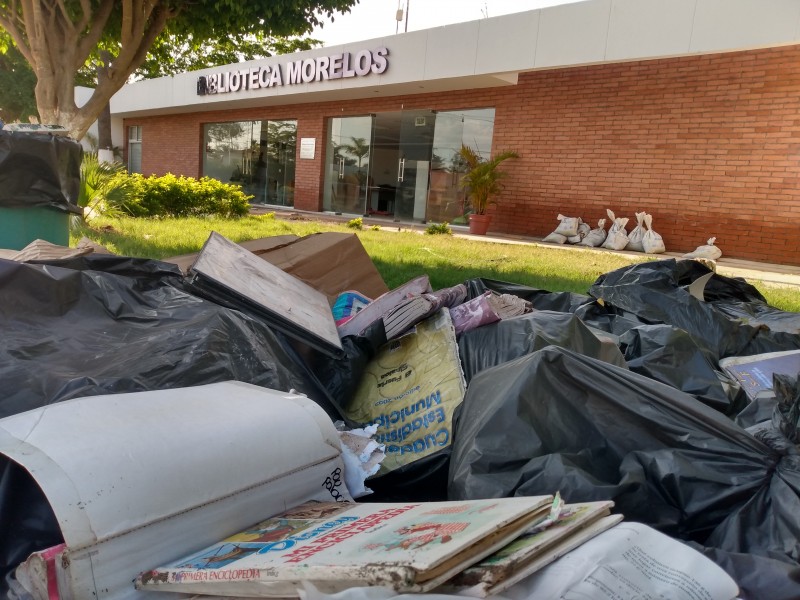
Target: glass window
<point>135,149</point>
<point>474,128</point>
<point>349,153</point>
<point>258,155</point>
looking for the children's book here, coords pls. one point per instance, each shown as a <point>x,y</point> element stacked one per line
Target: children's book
<point>411,547</point>
<point>545,541</point>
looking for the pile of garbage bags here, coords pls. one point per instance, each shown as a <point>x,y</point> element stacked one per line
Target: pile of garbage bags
<point>613,395</point>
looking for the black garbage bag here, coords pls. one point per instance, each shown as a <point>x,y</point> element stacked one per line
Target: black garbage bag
<point>758,577</point>
<point>786,417</point>
<point>506,340</point>
<point>108,324</point>
<point>607,318</point>
<point>540,299</point>
<point>27,521</point>
<point>555,420</point>
<point>656,292</point>
<point>670,355</point>
<point>39,169</point>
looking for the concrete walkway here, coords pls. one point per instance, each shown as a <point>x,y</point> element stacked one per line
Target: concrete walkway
<point>773,274</point>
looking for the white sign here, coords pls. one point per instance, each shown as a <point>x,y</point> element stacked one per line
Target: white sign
<point>307,147</point>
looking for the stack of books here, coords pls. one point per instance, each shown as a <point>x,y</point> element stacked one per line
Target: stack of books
<point>474,546</point>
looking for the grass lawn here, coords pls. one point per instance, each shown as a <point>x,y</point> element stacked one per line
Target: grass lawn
<point>398,255</point>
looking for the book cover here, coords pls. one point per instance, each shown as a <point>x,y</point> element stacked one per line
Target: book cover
<point>754,373</point>
<point>533,550</point>
<point>410,390</point>
<point>410,547</point>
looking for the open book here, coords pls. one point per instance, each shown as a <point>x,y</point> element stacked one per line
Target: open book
<point>409,547</point>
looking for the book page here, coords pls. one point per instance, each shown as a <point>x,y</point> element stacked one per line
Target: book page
<point>629,561</point>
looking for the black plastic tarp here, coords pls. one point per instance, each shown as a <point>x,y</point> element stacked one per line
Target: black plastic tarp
<point>106,324</point>
<point>39,169</point>
<point>509,339</point>
<point>540,299</point>
<point>670,355</point>
<point>657,292</point>
<point>556,420</point>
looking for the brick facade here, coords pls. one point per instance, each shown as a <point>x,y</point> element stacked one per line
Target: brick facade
<point>710,145</point>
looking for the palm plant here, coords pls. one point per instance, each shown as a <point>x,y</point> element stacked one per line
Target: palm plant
<point>483,177</point>
<point>103,190</point>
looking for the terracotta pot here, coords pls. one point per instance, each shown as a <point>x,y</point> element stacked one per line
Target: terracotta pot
<point>479,224</point>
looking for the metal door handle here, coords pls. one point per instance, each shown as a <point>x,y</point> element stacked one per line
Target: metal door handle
<point>341,168</point>
<point>401,169</point>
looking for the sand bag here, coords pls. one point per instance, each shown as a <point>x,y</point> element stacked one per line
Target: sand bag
<point>652,243</point>
<point>595,237</point>
<point>709,251</point>
<point>617,237</point>
<point>568,225</point>
<point>636,235</point>
<point>583,231</point>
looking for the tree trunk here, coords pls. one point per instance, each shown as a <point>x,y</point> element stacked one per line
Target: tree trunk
<point>105,147</point>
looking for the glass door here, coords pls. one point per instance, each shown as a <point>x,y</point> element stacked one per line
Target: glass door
<point>349,155</point>
<point>403,144</point>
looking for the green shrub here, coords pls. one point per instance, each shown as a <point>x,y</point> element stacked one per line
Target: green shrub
<point>438,229</point>
<point>171,196</point>
<point>375,228</point>
<point>357,223</point>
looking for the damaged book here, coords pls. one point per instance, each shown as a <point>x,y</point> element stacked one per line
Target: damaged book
<point>411,547</point>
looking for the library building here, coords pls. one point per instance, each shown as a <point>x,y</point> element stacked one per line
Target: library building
<point>686,109</point>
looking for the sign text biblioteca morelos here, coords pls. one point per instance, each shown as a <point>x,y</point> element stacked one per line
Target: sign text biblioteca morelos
<point>335,66</point>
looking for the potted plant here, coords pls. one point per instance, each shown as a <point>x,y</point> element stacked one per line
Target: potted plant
<point>482,181</point>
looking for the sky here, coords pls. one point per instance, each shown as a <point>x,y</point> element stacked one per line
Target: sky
<point>377,18</point>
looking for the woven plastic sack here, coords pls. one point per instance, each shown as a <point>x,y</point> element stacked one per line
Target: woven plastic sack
<point>636,235</point>
<point>617,237</point>
<point>568,225</point>
<point>652,243</point>
<point>583,231</point>
<point>595,237</point>
<point>709,251</point>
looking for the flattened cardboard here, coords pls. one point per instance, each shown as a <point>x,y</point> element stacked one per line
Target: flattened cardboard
<point>329,262</point>
<point>286,303</point>
<point>184,261</point>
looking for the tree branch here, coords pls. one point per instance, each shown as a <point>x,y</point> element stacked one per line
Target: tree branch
<point>92,38</point>
<point>65,14</point>
<point>8,20</point>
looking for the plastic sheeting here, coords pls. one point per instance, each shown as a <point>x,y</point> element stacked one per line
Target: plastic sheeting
<point>38,169</point>
<point>656,293</point>
<point>512,338</point>
<point>670,355</point>
<point>107,324</point>
<point>555,420</point>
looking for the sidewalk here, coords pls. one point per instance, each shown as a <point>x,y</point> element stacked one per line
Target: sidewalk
<point>774,274</point>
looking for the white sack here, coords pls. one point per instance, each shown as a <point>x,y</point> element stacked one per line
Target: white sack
<point>635,236</point>
<point>651,241</point>
<point>555,238</point>
<point>617,237</point>
<point>709,251</point>
<point>583,231</point>
<point>595,237</point>
<point>568,225</point>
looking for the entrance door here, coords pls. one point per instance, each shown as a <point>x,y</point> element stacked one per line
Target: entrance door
<point>348,164</point>
<point>400,167</point>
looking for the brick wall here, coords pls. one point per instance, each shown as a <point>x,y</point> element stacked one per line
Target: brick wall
<point>710,145</point>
